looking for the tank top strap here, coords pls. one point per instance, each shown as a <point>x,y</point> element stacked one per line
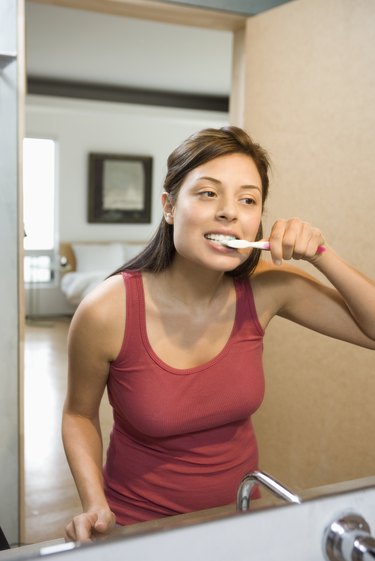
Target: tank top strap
<point>134,304</point>
<point>246,304</point>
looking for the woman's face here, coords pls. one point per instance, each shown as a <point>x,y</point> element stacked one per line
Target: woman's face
<point>222,197</point>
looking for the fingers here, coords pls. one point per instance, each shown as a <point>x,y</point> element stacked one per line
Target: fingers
<point>105,523</point>
<point>294,239</point>
<point>88,525</point>
<point>80,529</point>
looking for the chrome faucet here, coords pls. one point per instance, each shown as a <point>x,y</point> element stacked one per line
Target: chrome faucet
<point>348,538</point>
<point>251,479</point>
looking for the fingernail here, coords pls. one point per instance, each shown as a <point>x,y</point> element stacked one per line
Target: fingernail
<point>278,262</point>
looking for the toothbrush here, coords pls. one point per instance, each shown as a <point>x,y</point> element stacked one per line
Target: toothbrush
<point>262,244</point>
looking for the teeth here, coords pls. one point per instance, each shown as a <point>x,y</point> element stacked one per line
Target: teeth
<point>219,237</point>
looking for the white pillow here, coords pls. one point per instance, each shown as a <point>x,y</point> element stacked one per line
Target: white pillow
<point>132,250</point>
<point>98,257</point>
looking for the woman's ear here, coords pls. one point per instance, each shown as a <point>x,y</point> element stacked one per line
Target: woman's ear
<point>168,208</point>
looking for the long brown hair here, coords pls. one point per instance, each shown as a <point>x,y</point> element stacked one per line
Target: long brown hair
<point>196,150</point>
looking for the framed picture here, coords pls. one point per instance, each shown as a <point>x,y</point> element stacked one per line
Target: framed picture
<point>119,188</point>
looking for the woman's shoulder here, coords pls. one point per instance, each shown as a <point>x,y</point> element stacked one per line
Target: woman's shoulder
<point>273,286</point>
<point>104,297</point>
<point>278,279</point>
<point>101,315</point>
<point>266,270</point>
<point>267,275</point>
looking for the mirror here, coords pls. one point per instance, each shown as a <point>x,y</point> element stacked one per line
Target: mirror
<point>308,93</point>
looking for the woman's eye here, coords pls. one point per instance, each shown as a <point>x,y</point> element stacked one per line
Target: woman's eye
<point>208,193</point>
<point>248,201</point>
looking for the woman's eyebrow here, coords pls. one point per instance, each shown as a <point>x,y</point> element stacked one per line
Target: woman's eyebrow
<point>218,182</point>
<point>256,187</point>
<point>208,178</point>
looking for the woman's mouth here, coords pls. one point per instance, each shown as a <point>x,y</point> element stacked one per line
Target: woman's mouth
<point>219,238</point>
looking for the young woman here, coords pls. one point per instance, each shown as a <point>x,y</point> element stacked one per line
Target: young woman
<point>176,336</point>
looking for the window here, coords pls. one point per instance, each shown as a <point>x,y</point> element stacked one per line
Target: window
<point>39,170</point>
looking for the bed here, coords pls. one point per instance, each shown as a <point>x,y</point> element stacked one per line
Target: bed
<point>85,264</point>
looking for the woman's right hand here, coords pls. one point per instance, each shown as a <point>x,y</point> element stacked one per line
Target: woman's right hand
<point>88,526</point>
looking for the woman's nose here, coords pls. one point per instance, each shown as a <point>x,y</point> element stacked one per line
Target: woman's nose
<point>227,210</point>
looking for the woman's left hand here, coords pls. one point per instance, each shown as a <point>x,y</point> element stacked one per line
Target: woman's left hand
<point>294,239</point>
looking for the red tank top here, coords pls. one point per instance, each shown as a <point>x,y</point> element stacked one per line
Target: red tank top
<point>182,439</point>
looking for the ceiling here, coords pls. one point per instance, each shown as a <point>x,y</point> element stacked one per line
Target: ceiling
<point>209,14</point>
<point>244,7</point>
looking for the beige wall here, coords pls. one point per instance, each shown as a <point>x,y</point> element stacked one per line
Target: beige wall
<point>309,87</point>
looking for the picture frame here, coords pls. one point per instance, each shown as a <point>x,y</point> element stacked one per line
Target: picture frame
<point>119,189</point>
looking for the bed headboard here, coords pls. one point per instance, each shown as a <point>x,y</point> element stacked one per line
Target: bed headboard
<point>66,252</point>
<point>93,255</point>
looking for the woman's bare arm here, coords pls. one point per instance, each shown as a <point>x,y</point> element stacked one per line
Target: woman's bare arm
<point>94,340</point>
<point>345,310</point>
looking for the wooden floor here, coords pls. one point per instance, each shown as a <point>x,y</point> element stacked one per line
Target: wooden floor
<point>50,495</point>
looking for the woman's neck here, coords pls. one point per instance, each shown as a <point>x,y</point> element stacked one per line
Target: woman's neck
<point>192,285</point>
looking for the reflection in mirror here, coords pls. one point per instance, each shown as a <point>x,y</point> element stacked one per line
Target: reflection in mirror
<point>305,441</point>
<point>79,127</point>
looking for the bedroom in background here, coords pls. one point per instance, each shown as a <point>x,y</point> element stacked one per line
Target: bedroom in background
<point>200,63</point>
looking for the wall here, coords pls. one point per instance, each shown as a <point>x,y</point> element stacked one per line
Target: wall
<point>309,91</point>
<point>80,127</point>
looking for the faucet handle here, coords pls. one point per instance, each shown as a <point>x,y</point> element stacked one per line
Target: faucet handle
<point>270,483</point>
<point>348,539</point>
